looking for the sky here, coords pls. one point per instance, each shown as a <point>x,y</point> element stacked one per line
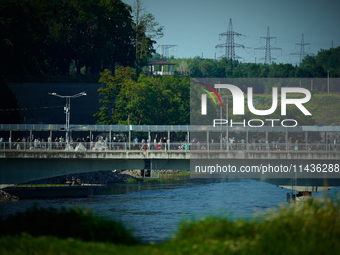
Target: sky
<point>194,26</point>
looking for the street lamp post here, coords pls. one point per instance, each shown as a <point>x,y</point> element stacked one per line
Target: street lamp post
<point>67,109</point>
<point>227,110</point>
<point>327,81</point>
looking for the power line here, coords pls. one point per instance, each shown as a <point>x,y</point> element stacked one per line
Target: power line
<point>287,40</point>
<point>165,50</point>
<point>24,109</point>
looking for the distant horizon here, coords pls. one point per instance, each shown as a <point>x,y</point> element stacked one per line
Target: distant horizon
<point>194,26</point>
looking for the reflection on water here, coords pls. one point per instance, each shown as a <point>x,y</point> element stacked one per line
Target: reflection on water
<point>154,209</point>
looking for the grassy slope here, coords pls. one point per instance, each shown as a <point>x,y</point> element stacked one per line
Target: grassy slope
<point>325,109</point>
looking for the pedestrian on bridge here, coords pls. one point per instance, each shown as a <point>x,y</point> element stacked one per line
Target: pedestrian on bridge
<point>136,143</point>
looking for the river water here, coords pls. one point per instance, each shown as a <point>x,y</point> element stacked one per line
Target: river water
<point>154,210</point>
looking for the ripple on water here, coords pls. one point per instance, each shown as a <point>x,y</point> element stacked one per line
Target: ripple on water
<point>154,210</point>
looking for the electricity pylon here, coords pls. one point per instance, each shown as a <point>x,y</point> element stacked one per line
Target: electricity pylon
<point>268,56</point>
<point>230,45</point>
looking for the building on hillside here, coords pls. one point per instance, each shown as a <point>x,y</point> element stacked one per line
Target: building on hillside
<point>161,68</point>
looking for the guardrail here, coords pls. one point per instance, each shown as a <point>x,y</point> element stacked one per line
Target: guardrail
<point>125,146</point>
<point>160,128</point>
<point>97,128</point>
<point>91,146</point>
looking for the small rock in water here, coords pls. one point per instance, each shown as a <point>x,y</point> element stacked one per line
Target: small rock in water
<point>4,196</point>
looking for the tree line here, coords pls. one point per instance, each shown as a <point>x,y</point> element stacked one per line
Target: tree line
<point>326,62</point>
<point>49,37</point>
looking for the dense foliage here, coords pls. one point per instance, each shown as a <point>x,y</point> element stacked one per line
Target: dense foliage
<point>65,37</point>
<point>309,227</point>
<point>66,223</point>
<point>145,100</point>
<point>9,112</point>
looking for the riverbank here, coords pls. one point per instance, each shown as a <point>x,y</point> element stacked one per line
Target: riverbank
<point>104,177</point>
<point>51,192</point>
<point>307,228</point>
<point>79,185</point>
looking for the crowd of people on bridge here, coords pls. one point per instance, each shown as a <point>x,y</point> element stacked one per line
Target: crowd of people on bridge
<point>260,143</point>
<point>163,143</point>
<point>159,144</point>
<point>59,143</point>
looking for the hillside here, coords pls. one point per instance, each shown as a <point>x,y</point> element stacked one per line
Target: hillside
<point>325,109</point>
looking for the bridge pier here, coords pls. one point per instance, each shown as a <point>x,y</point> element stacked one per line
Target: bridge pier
<point>148,171</point>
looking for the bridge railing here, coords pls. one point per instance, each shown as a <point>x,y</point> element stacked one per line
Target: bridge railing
<point>126,146</point>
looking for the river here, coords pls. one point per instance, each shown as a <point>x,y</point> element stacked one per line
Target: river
<point>155,209</point>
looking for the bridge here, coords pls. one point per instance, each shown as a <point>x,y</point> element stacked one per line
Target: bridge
<point>30,159</point>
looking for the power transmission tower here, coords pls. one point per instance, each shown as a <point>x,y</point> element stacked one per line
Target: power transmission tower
<point>230,45</point>
<point>268,56</point>
<point>165,50</point>
<point>302,52</point>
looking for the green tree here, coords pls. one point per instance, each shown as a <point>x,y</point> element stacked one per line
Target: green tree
<point>173,100</point>
<point>310,67</point>
<point>109,92</point>
<point>21,38</point>
<point>330,60</point>
<point>96,34</point>
<point>9,113</point>
<point>206,68</point>
<point>137,104</point>
<point>146,30</point>
<point>146,100</point>
<point>44,37</point>
<point>183,68</point>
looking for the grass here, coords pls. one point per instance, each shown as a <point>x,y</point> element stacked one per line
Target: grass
<point>49,245</point>
<point>131,180</point>
<point>323,107</point>
<point>182,173</point>
<point>306,228</point>
<point>162,177</point>
<point>136,180</point>
<point>311,227</point>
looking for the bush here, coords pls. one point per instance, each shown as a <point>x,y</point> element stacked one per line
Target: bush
<point>311,227</point>
<point>66,223</point>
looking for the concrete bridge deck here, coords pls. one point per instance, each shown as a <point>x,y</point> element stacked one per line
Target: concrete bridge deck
<point>18,166</point>
<point>170,154</point>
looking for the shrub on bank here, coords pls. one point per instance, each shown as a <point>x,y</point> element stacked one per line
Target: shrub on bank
<point>66,223</point>
<point>311,227</point>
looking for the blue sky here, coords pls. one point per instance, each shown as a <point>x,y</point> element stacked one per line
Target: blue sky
<point>195,25</point>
